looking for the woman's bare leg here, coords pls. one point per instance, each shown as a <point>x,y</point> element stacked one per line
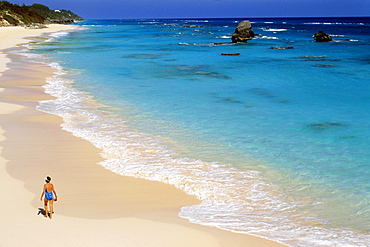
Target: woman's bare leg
<point>46,207</point>
<point>51,205</point>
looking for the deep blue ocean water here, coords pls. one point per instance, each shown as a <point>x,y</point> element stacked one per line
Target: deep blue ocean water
<point>274,141</point>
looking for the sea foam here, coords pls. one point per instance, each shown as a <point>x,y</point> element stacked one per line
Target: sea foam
<point>256,208</point>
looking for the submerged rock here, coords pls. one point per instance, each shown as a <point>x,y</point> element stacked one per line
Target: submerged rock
<point>312,58</point>
<point>326,125</point>
<point>243,32</point>
<point>144,56</point>
<point>320,36</point>
<point>282,48</point>
<point>222,43</point>
<point>232,100</point>
<point>324,65</point>
<point>262,92</point>
<point>316,58</point>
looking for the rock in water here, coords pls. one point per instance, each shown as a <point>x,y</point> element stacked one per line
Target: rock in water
<point>282,48</point>
<point>243,32</point>
<point>230,54</point>
<point>320,36</point>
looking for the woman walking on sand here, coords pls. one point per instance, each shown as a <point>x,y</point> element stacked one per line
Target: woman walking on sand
<point>49,193</point>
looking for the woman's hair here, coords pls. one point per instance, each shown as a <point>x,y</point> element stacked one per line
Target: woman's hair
<point>47,179</point>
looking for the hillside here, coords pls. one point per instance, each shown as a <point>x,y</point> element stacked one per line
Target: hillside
<point>34,15</point>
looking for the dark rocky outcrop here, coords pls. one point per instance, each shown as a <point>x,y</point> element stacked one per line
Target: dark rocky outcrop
<point>320,36</point>
<point>230,54</point>
<point>243,32</point>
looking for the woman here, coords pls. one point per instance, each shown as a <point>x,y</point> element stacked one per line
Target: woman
<point>49,193</point>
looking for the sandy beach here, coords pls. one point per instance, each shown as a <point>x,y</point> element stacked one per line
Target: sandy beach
<point>95,207</point>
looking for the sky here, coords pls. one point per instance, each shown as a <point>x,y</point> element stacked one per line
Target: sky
<point>128,9</point>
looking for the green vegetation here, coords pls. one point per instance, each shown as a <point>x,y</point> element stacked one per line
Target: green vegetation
<point>23,15</point>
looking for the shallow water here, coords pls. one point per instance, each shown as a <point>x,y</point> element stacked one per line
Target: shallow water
<point>275,142</point>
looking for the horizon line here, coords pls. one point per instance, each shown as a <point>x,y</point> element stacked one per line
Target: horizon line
<point>270,17</point>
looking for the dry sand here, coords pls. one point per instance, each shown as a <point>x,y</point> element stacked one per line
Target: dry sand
<point>95,207</point>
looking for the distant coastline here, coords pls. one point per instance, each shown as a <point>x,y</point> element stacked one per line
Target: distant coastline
<point>36,15</point>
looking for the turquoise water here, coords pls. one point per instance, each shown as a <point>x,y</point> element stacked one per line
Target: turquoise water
<point>275,142</point>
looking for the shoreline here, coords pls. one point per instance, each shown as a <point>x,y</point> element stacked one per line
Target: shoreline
<point>14,36</point>
<point>127,211</point>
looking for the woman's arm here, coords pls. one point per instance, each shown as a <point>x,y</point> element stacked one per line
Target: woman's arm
<point>55,193</point>
<point>43,192</point>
